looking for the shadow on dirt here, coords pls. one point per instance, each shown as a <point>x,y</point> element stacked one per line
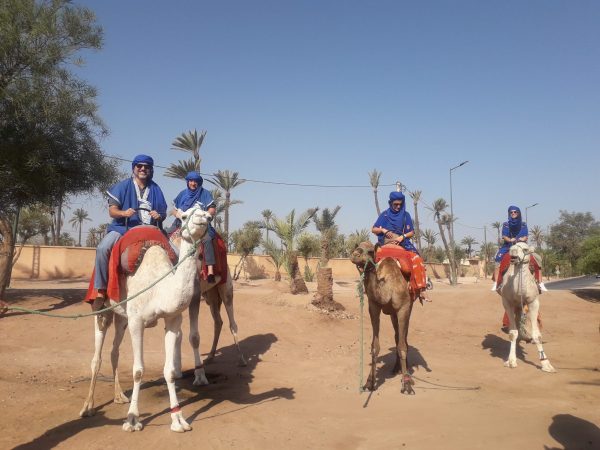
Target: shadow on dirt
<point>386,371</point>
<point>499,348</point>
<point>573,433</point>
<point>589,295</point>
<point>228,382</point>
<point>65,297</point>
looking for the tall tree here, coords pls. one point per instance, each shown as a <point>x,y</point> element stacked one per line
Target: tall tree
<point>567,235</point>
<point>374,178</point>
<point>537,236</point>
<point>79,216</point>
<point>48,118</point>
<point>444,219</point>
<point>267,215</point>
<point>468,242</point>
<point>429,236</point>
<point>187,142</point>
<point>245,240</point>
<point>226,181</point>
<point>498,227</point>
<point>416,197</point>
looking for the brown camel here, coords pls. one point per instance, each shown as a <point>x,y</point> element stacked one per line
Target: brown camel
<point>387,290</point>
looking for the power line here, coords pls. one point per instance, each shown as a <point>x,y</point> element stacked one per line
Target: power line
<point>274,182</point>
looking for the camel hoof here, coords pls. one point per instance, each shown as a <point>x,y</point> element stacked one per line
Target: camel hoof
<point>547,367</point>
<point>179,424</point>
<point>121,399</point>
<point>87,412</point>
<point>510,364</point>
<point>200,378</point>
<point>132,424</point>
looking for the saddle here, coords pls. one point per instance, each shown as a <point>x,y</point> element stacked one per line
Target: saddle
<point>411,265</point>
<point>534,267</point>
<point>126,256</point>
<point>220,267</point>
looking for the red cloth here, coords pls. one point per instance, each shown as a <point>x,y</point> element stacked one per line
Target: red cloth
<point>220,268</point>
<point>533,266</point>
<point>135,243</point>
<point>411,264</point>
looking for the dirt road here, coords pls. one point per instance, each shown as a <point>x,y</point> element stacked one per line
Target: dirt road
<point>300,388</point>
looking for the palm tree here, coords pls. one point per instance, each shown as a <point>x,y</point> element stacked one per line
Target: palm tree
<point>267,215</point>
<point>288,230</point>
<point>374,180</point>
<point>429,236</point>
<point>416,196</point>
<point>444,219</point>
<point>226,181</point>
<point>356,238</point>
<point>277,256</point>
<point>77,220</point>
<point>498,227</point>
<point>308,245</point>
<point>187,142</point>
<point>468,241</point>
<point>325,225</point>
<point>538,236</point>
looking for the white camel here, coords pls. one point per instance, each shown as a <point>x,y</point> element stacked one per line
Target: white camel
<point>215,295</point>
<point>167,300</point>
<point>520,289</point>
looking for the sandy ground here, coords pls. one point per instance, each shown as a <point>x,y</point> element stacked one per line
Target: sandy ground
<point>301,386</point>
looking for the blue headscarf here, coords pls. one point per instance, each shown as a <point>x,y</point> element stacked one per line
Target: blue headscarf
<point>397,218</point>
<point>144,159</point>
<point>514,223</point>
<point>186,198</point>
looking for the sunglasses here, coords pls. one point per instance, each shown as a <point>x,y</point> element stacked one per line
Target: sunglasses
<point>514,212</point>
<point>397,204</point>
<point>143,166</point>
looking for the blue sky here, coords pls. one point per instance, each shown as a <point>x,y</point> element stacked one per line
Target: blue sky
<point>322,92</point>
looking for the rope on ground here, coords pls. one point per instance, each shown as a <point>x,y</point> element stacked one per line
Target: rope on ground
<point>360,289</point>
<point>116,305</point>
<point>453,388</point>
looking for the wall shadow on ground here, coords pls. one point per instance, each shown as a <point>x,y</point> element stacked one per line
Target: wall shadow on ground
<point>63,297</point>
<point>573,432</point>
<point>589,295</point>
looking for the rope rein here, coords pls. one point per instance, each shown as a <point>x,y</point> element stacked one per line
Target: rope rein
<point>191,252</point>
<point>360,289</point>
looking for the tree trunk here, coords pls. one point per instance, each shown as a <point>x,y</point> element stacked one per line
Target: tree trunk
<point>297,284</point>
<point>6,247</point>
<point>448,253</point>
<point>417,229</point>
<point>277,275</point>
<point>324,286</point>
<point>376,202</point>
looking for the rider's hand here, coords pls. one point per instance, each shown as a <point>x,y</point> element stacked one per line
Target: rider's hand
<point>154,215</point>
<point>128,212</point>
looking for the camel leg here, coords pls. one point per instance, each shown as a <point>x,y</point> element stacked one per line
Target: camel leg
<point>537,336</point>
<point>172,327</point>
<point>513,333</point>
<point>136,331</point>
<point>394,319</point>
<point>226,294</point>
<point>214,302</point>
<point>120,327</point>
<point>403,316</point>
<point>374,313</point>
<point>101,324</point>
<point>199,373</point>
<point>177,355</point>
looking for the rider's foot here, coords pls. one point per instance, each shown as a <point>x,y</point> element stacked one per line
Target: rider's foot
<point>494,286</point>
<point>542,287</point>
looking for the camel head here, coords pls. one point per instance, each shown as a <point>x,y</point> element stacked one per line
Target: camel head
<point>195,222</point>
<point>519,252</point>
<point>363,252</point>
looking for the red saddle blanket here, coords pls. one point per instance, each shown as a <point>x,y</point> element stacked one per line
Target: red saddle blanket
<point>126,256</point>
<point>220,268</point>
<point>505,263</point>
<point>411,264</point>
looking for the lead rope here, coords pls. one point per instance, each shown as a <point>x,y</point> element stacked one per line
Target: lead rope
<point>137,294</point>
<point>360,289</point>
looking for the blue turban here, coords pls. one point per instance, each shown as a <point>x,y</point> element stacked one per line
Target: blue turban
<point>142,159</point>
<point>194,176</point>
<point>514,223</point>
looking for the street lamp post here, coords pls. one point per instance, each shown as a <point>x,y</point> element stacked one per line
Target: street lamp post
<point>526,208</point>
<point>451,207</point>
